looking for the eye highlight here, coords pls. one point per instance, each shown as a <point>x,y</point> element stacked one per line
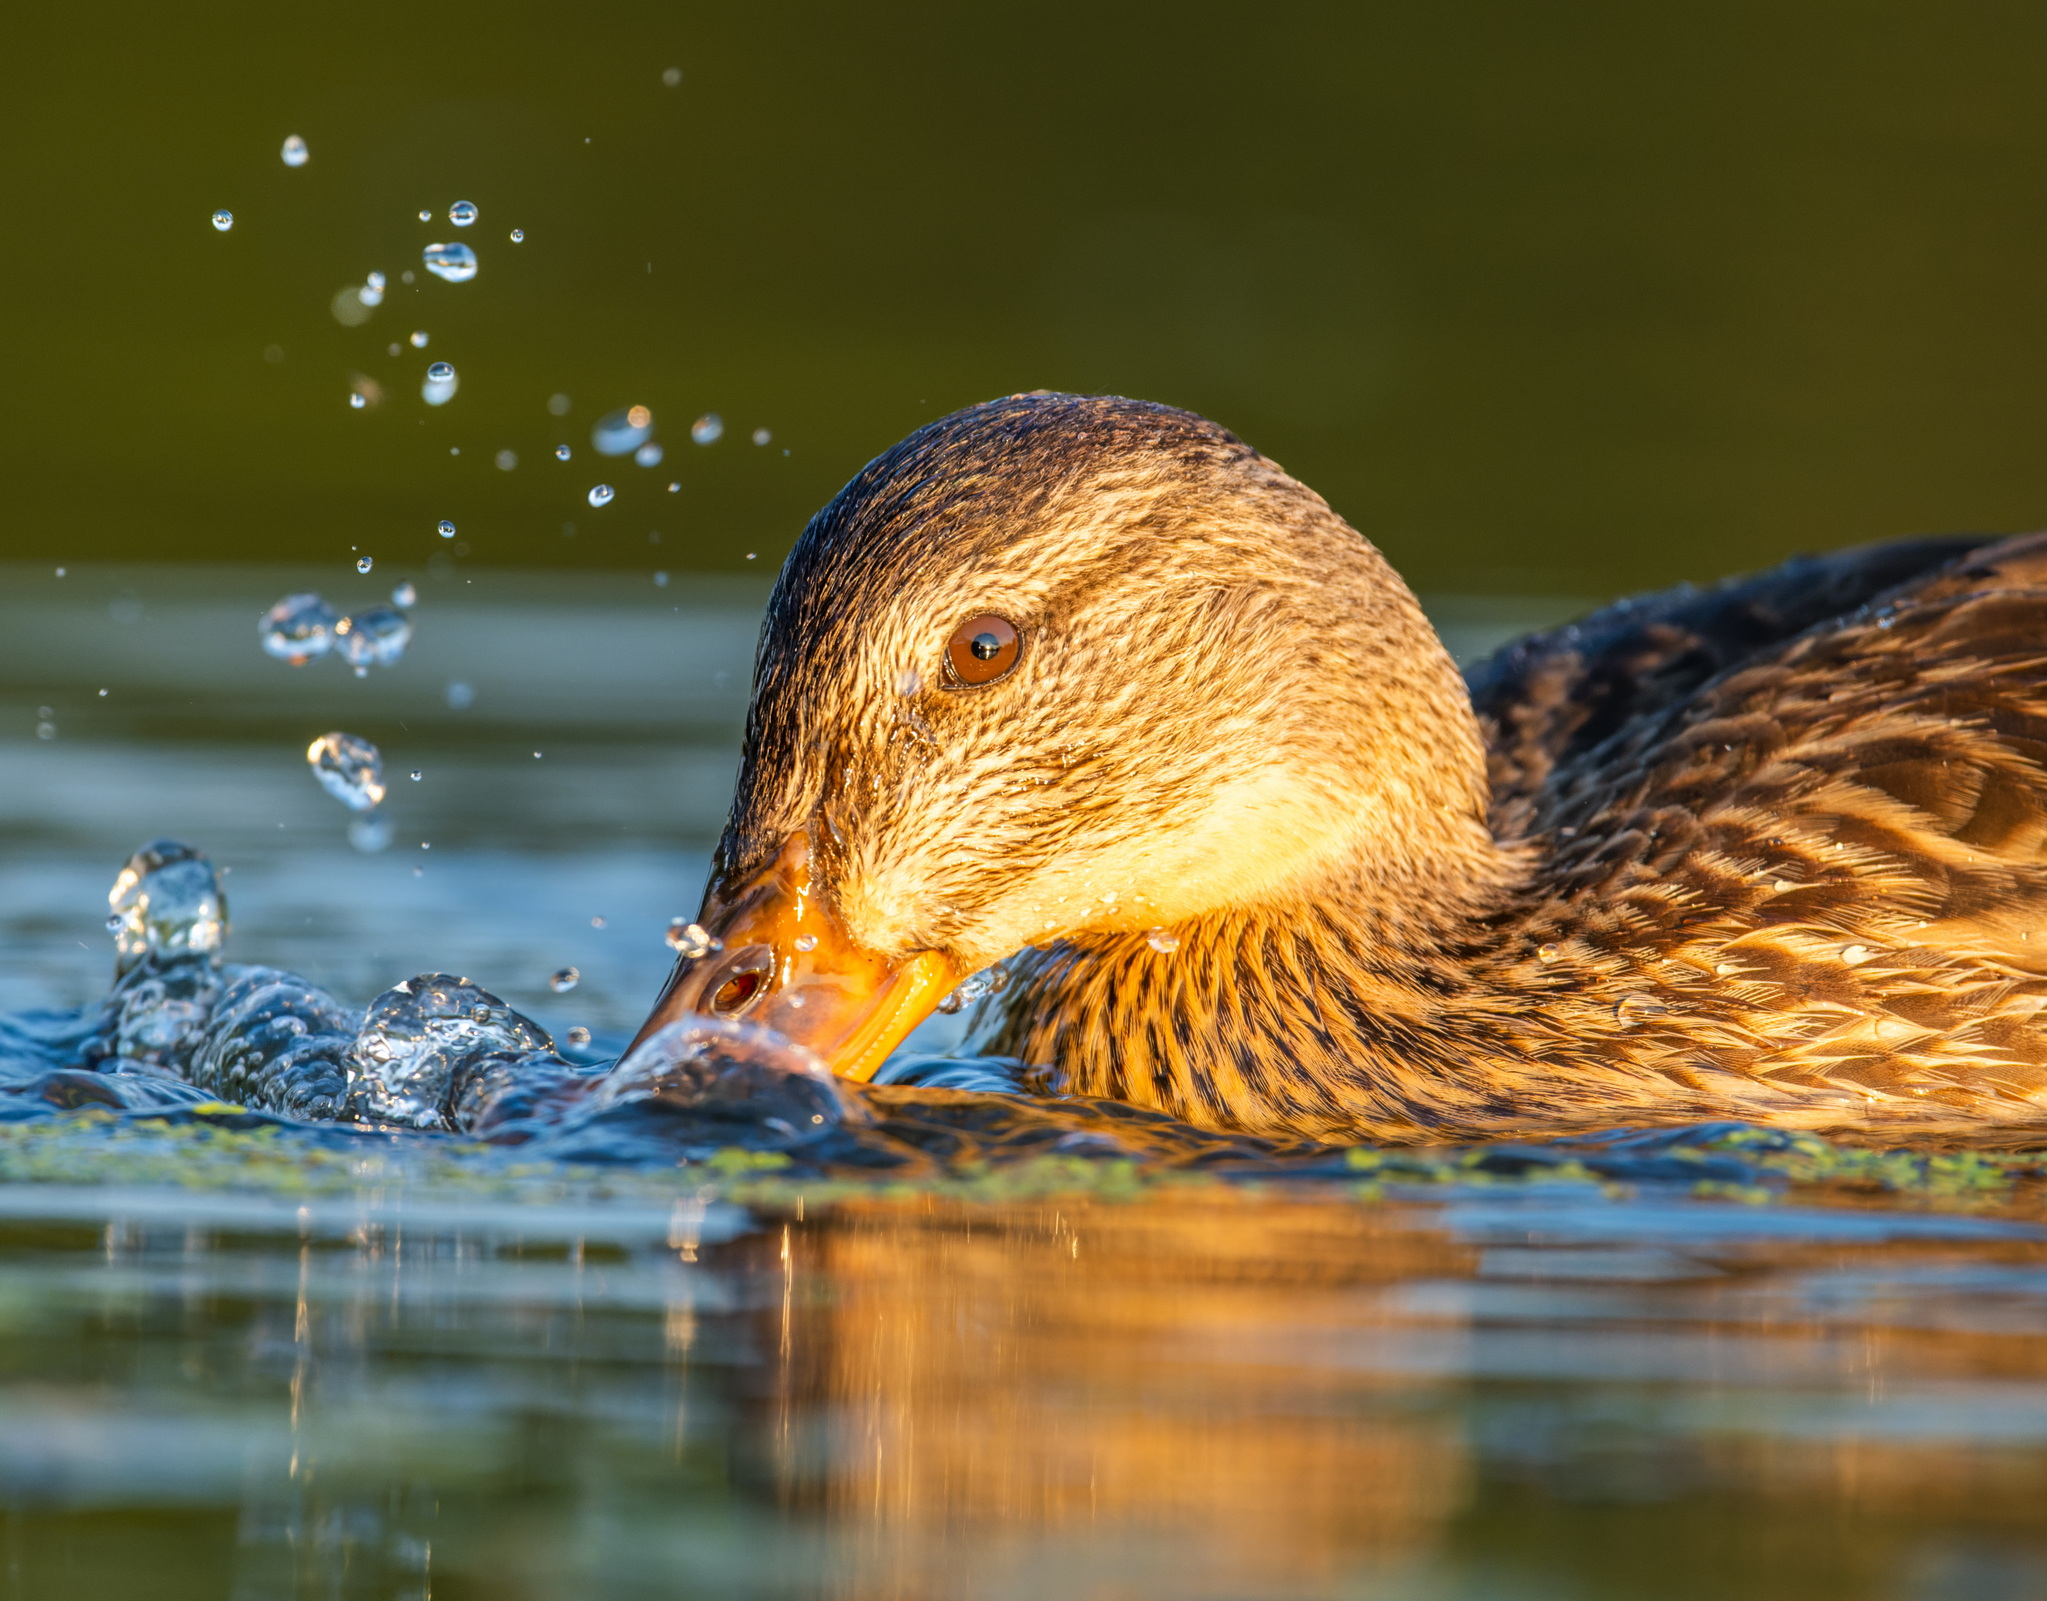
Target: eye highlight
<point>982,649</point>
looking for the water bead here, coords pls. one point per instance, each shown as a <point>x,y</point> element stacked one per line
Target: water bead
<point>691,940</point>
<point>649,454</point>
<point>455,264</point>
<point>298,629</point>
<point>518,236</point>
<point>419,339</point>
<point>426,216</point>
<point>223,220</point>
<point>620,433</point>
<point>440,385</point>
<point>806,942</point>
<point>462,213</point>
<point>364,563</point>
<point>579,1037</point>
<point>564,980</point>
<point>440,372</point>
<point>405,595</point>
<point>415,775</point>
<point>561,452</point>
<point>447,529</point>
<point>356,400</point>
<point>1548,953</point>
<point>375,638</point>
<point>349,768</point>
<point>1162,940</point>
<point>601,494</point>
<point>294,152</point>
<point>1636,1008</point>
<point>707,429</point>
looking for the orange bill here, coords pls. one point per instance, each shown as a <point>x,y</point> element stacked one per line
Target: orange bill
<point>782,960</point>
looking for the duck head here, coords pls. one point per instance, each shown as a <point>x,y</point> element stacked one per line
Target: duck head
<point>1065,668</point>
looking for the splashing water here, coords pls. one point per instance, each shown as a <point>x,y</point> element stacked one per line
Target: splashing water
<point>455,264</point>
<point>348,768</point>
<point>166,902</point>
<point>298,629</point>
<point>440,384</point>
<point>375,638</point>
<point>601,495</point>
<point>707,429</point>
<point>294,152</point>
<point>433,1043</point>
<point>619,433</point>
<point>223,220</point>
<point>462,213</point>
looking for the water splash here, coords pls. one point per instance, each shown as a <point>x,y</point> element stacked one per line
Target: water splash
<point>455,264</point>
<point>348,768</point>
<point>691,940</point>
<point>375,638</point>
<point>431,1043</point>
<point>166,902</point>
<point>298,629</point>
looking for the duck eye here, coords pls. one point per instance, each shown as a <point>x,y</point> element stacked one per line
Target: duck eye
<point>982,649</point>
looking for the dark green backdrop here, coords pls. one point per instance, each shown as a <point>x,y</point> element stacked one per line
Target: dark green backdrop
<point>1542,296</point>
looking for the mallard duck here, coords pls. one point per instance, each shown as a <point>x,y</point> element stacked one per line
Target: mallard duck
<point>1089,688</point>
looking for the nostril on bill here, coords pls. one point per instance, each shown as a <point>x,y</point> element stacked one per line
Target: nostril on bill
<point>732,986</point>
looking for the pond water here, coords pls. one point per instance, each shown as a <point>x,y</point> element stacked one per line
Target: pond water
<point>1019,1352</point>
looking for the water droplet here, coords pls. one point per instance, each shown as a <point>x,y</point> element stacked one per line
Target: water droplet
<point>649,454</point>
<point>672,76</point>
<point>660,580</point>
<point>707,429</point>
<point>364,563</point>
<point>806,942</point>
<point>426,216</point>
<point>165,903</point>
<point>294,151</point>
<point>223,220</point>
<point>419,338</point>
<point>561,452</point>
<point>372,291</point>
<point>596,922</point>
<point>518,236</point>
<point>564,980</point>
<point>600,495</point>
<point>445,528</point>
<point>440,385</point>
<point>1856,955</point>
<point>298,629</point>
<point>460,696</point>
<point>691,940</point>
<point>375,638</point>
<point>415,775</point>
<point>455,264</point>
<point>579,1037</point>
<point>620,433</point>
<point>1548,953</point>
<point>1160,939</point>
<point>674,489</point>
<point>507,460</point>
<point>356,400</point>
<point>405,595</point>
<point>349,769</point>
<point>462,213</point>
<point>1636,1007</point>
<point>370,833</point>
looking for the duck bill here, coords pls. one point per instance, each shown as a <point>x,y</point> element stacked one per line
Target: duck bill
<point>784,961</point>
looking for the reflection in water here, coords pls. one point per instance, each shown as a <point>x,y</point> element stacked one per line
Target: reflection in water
<point>1214,1397</point>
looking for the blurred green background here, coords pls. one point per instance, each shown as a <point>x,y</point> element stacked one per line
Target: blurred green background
<point>1560,297</point>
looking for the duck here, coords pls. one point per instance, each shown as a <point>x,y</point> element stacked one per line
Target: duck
<point>1082,705</point>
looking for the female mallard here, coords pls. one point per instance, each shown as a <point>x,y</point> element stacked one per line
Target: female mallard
<point>1091,685</point>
